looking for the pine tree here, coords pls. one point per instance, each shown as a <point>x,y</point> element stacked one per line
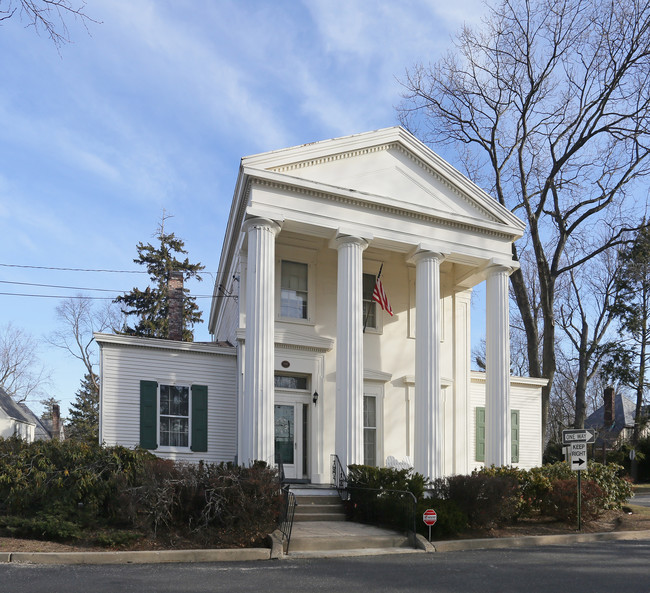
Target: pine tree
<point>151,305</point>
<point>83,422</point>
<point>629,356</point>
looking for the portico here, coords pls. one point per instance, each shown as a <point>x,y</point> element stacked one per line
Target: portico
<point>310,227</point>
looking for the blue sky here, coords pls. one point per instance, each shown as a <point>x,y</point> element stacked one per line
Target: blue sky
<point>152,109</point>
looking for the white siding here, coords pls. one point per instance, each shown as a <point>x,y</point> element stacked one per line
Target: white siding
<point>124,366</point>
<point>525,396</point>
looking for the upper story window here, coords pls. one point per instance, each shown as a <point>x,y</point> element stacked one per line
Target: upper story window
<point>294,290</point>
<point>369,306</point>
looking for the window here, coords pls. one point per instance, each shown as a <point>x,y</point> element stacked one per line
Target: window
<point>369,306</point>
<point>480,435</point>
<point>369,430</point>
<point>291,382</point>
<point>293,290</point>
<point>173,416</point>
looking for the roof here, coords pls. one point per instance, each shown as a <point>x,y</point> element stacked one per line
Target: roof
<point>12,409</point>
<point>624,411</point>
<point>43,429</point>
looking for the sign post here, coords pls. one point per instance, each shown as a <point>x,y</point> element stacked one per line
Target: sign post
<point>430,517</point>
<point>577,440</point>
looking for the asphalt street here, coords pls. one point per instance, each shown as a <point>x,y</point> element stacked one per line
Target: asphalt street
<point>609,567</point>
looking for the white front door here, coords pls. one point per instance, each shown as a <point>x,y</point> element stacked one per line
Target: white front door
<point>290,418</point>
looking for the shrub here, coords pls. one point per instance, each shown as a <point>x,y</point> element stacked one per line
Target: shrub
<point>487,500</point>
<point>562,501</point>
<point>43,526</point>
<point>451,519</point>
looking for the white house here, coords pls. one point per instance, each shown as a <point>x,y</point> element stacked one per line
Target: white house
<point>292,372</point>
<point>13,419</point>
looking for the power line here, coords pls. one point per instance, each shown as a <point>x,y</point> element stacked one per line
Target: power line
<point>73,269</point>
<point>59,286</point>
<point>98,298</point>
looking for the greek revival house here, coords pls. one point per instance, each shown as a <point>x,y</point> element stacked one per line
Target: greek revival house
<point>305,362</point>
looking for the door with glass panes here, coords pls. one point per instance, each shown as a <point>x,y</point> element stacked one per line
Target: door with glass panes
<point>291,416</point>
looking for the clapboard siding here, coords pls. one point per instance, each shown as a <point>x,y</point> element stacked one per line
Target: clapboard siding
<point>525,396</point>
<point>125,364</point>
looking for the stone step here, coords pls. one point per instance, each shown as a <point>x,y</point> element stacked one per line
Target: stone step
<point>314,499</point>
<point>313,544</point>
<point>318,516</point>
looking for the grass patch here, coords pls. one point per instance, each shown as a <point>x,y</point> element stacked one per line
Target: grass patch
<point>641,488</point>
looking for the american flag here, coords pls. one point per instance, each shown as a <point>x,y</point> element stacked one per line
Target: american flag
<point>380,297</point>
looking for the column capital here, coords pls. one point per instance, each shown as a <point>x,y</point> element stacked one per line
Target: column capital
<point>496,267</point>
<point>420,254</point>
<point>342,240</point>
<point>259,222</point>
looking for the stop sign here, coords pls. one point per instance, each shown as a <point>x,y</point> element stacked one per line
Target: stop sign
<point>430,517</point>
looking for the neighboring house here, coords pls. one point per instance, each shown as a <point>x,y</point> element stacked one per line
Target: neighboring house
<point>45,429</point>
<point>292,374</point>
<point>13,420</point>
<point>614,421</point>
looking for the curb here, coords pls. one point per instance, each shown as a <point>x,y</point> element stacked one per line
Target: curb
<point>142,557</point>
<point>536,540</point>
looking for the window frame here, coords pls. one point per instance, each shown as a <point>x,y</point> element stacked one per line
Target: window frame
<point>160,415</point>
<point>305,292</point>
<point>299,255</point>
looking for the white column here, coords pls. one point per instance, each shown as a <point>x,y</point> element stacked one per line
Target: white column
<point>429,420</point>
<point>497,362</point>
<point>349,350</point>
<point>257,421</point>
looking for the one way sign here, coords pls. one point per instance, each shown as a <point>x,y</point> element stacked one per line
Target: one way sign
<point>578,456</point>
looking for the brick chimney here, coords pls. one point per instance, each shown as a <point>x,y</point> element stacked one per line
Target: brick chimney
<point>175,311</point>
<point>56,422</point>
<point>610,414</point>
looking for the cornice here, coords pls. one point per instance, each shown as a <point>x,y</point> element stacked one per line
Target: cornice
<point>368,203</point>
<point>160,344</point>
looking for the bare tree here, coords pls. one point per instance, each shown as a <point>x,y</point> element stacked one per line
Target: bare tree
<point>80,319</point>
<point>548,105</point>
<point>48,16</point>
<point>21,374</point>
<point>585,316</point>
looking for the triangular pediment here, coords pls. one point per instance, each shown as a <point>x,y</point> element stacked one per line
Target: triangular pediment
<point>395,168</point>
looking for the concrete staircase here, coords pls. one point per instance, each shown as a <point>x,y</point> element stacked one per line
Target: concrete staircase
<point>320,529</point>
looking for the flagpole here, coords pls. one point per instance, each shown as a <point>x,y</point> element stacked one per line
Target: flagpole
<point>365,322</point>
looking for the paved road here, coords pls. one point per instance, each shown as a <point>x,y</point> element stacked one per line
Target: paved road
<point>641,499</point>
<point>608,567</point>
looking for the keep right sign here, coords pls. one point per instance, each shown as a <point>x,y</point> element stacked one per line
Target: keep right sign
<point>578,456</point>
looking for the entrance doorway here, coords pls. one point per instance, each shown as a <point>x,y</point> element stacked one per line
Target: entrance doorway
<point>291,435</point>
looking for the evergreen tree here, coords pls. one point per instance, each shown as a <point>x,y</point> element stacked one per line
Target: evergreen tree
<point>151,305</point>
<point>630,354</point>
<point>83,423</point>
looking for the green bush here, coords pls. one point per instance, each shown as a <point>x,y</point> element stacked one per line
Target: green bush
<point>451,519</point>
<point>58,488</point>
<point>43,526</point>
<point>380,495</point>
<point>487,500</point>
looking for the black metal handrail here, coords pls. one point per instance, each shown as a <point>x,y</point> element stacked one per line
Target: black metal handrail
<point>286,518</point>
<point>339,477</point>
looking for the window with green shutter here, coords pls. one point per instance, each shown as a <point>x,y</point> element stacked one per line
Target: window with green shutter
<point>168,411</point>
<point>480,435</point>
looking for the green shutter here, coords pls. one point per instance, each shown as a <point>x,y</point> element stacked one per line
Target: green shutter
<point>514,435</point>
<point>480,434</point>
<point>148,414</point>
<point>199,418</point>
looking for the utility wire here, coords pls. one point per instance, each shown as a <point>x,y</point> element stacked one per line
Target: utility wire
<point>73,269</point>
